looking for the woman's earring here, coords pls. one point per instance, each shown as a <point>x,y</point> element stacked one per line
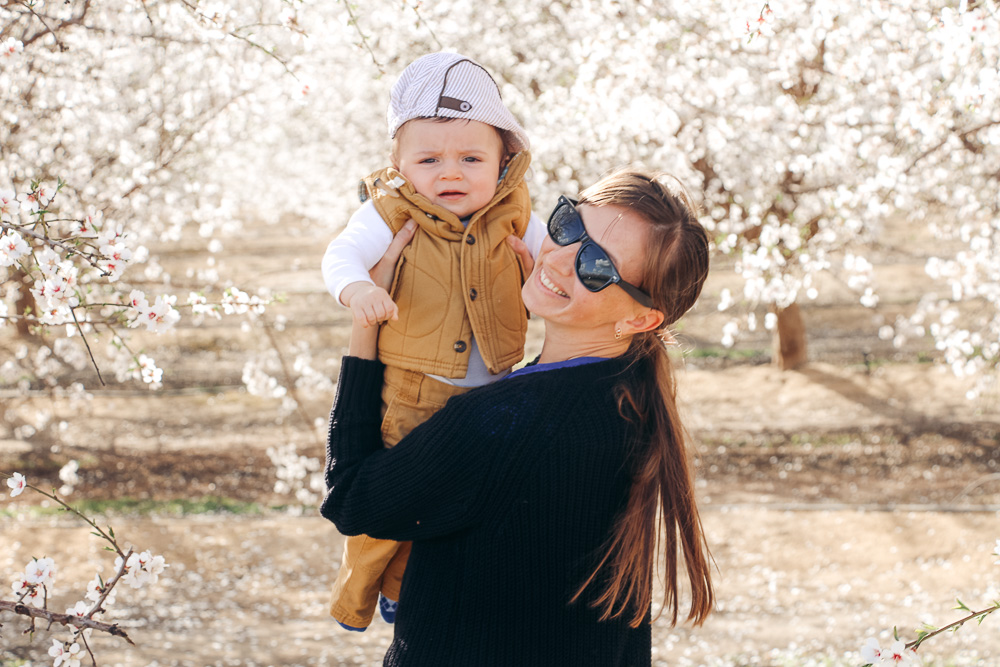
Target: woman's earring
<point>618,333</point>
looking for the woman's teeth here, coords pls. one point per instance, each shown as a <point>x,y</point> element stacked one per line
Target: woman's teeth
<point>545,281</point>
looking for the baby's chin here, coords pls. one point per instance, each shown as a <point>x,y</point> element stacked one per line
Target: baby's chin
<point>461,209</point>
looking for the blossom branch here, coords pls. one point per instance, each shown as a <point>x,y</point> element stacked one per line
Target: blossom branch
<point>765,12</point>
<point>421,22</point>
<point>71,620</point>
<point>135,569</point>
<point>289,383</point>
<point>108,536</point>
<point>954,626</point>
<point>109,585</point>
<point>48,29</point>
<point>56,243</point>
<point>963,136</point>
<point>234,34</point>
<point>86,645</point>
<point>86,344</point>
<point>364,38</point>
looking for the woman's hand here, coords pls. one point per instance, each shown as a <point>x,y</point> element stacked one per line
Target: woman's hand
<point>383,272</point>
<point>522,252</point>
<point>364,338</point>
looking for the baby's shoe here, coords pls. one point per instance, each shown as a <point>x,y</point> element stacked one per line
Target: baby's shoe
<point>350,627</point>
<point>387,608</point>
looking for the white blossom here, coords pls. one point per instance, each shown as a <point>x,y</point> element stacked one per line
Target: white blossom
<point>38,198</point>
<point>66,654</point>
<point>10,47</point>
<point>115,258</point>
<point>12,248</point>
<point>725,299</point>
<point>141,569</point>
<point>298,473</point>
<point>88,227</point>
<point>147,371</point>
<point>79,609</point>
<point>40,571</point>
<point>260,383</point>
<point>896,655</point>
<point>9,206</point>
<point>69,477</point>
<point>200,306</point>
<point>729,331</point>
<point>96,588</point>
<point>159,317</point>
<point>236,301</point>
<point>16,483</point>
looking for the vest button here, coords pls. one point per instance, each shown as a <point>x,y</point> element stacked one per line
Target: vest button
<point>460,346</point>
<point>470,239</point>
<point>473,294</point>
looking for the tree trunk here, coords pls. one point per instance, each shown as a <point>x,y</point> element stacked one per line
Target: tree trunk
<point>25,303</point>
<point>790,338</point>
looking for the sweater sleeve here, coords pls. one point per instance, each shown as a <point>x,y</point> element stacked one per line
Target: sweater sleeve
<point>428,485</point>
<point>355,250</point>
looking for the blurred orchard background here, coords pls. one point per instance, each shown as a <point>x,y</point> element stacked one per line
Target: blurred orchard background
<point>171,171</point>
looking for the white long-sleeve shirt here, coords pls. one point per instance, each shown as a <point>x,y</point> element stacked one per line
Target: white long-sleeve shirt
<point>352,254</point>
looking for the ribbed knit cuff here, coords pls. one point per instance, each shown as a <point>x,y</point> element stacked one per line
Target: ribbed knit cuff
<point>359,388</point>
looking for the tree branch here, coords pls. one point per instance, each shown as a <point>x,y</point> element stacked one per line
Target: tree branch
<point>289,384</point>
<point>192,7</point>
<point>65,247</point>
<point>83,336</point>
<point>963,135</point>
<point>962,621</point>
<point>70,620</point>
<point>363,36</point>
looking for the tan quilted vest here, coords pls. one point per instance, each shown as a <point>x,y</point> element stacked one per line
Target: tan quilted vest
<point>455,281</point>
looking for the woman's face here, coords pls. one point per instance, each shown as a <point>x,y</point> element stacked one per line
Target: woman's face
<point>554,292</point>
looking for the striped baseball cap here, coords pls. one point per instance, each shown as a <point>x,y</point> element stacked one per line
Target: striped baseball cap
<point>449,85</point>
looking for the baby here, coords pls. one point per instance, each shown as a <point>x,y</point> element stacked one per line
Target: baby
<point>453,318</point>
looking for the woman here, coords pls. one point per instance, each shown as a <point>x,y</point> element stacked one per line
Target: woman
<point>535,503</point>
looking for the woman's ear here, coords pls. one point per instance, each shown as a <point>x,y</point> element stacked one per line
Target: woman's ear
<point>648,320</point>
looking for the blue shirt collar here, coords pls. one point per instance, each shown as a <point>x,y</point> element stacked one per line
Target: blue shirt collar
<point>535,367</point>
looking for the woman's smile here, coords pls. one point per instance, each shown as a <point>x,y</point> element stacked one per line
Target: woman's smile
<point>544,279</point>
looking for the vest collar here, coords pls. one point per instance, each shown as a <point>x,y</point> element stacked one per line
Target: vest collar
<point>444,222</point>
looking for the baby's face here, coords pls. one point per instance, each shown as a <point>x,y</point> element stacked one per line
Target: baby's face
<point>455,164</point>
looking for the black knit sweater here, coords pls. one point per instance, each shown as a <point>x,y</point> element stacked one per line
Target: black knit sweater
<point>508,494</point>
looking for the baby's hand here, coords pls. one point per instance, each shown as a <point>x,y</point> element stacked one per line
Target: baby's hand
<point>371,305</point>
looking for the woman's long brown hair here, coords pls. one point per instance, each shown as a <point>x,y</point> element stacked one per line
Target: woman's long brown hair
<point>661,508</point>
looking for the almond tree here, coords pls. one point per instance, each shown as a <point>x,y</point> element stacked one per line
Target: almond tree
<point>805,125</point>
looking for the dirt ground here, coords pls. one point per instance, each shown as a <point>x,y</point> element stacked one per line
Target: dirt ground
<point>825,530</point>
<point>795,588</point>
<point>854,495</point>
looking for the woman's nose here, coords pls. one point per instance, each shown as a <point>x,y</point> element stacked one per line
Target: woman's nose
<point>559,258</point>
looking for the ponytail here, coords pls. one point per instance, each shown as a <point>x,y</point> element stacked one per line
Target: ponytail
<point>661,512</point>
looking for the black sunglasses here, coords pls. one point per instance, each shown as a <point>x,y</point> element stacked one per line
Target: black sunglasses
<point>594,267</point>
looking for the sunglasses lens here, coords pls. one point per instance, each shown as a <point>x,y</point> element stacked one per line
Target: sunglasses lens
<point>565,226</point>
<point>594,267</point>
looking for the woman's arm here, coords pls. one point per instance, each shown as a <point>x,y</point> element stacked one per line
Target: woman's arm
<point>430,484</point>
